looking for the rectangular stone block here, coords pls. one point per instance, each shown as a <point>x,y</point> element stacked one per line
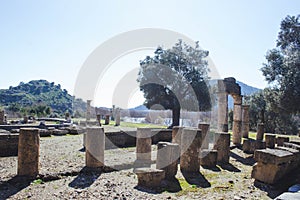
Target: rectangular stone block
<point>273,156</point>
<point>208,157</point>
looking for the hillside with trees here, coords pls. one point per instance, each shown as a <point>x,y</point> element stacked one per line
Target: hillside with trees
<point>40,98</point>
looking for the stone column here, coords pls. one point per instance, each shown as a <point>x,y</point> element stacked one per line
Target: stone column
<point>237,120</point>
<point>167,158</point>
<point>28,152</point>
<point>223,111</point>
<point>106,120</point>
<point>176,134</point>
<point>118,117</point>
<point>88,110</point>
<point>191,140</point>
<point>1,117</point>
<point>270,140</point>
<point>143,146</point>
<point>245,121</point>
<point>222,145</point>
<point>205,135</point>
<point>95,145</point>
<point>260,131</point>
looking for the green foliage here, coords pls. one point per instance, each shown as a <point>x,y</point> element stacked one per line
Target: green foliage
<point>282,69</point>
<point>175,79</point>
<point>39,98</point>
<point>263,109</point>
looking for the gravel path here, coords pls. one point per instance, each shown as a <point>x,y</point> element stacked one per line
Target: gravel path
<point>63,176</point>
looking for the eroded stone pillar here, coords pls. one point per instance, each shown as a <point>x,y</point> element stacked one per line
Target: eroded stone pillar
<point>28,152</point>
<point>260,131</point>
<point>88,110</point>
<point>176,134</point>
<point>191,140</point>
<point>237,120</point>
<point>167,158</point>
<point>143,146</point>
<point>95,145</point>
<point>2,117</point>
<point>118,117</point>
<point>205,134</point>
<point>106,120</point>
<point>270,140</point>
<point>222,145</point>
<point>245,121</point>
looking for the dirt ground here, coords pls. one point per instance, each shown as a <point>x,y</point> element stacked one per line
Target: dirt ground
<point>63,176</point>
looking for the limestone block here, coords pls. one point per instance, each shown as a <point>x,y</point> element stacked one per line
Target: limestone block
<point>273,156</point>
<point>270,140</point>
<point>95,145</point>
<point>149,178</point>
<point>208,158</point>
<point>280,140</point>
<point>222,145</point>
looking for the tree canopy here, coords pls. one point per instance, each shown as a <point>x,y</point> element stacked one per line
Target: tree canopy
<point>175,79</point>
<point>282,69</point>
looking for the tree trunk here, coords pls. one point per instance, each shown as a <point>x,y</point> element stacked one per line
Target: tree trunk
<point>175,117</point>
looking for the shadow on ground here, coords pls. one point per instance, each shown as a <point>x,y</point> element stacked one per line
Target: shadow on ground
<point>13,186</point>
<point>196,178</point>
<point>246,161</point>
<point>86,177</point>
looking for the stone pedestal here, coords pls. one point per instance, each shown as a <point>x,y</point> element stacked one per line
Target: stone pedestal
<point>272,165</point>
<point>191,140</point>
<point>260,131</point>
<point>167,158</point>
<point>143,146</point>
<point>28,152</point>
<point>208,158</point>
<point>237,120</point>
<point>280,140</point>
<point>205,134</point>
<point>149,178</point>
<point>106,122</point>
<point>245,121</point>
<point>250,145</point>
<point>222,145</point>
<point>95,145</point>
<point>270,140</point>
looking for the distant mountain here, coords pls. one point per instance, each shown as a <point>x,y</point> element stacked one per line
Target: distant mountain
<point>141,108</point>
<point>40,94</point>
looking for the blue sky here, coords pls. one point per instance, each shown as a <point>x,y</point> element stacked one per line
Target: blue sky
<point>52,39</point>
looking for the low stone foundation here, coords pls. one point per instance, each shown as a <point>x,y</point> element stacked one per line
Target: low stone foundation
<point>8,144</point>
<point>149,178</point>
<point>208,158</point>
<point>250,145</point>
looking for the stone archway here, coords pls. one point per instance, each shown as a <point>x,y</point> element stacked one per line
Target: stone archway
<point>226,87</point>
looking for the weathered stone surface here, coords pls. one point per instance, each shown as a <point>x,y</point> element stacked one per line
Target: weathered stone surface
<point>191,140</point>
<point>280,140</point>
<point>208,157</point>
<point>270,140</point>
<point>8,143</point>
<point>250,145</point>
<point>176,134</point>
<point>94,144</point>
<point>118,117</point>
<point>167,158</point>
<point>88,110</point>
<point>222,145</point>
<point>237,120</point>
<point>291,145</point>
<point>106,122</point>
<point>28,152</point>
<point>273,156</point>
<point>260,131</point>
<point>149,178</point>
<point>245,121</point>
<point>45,133</point>
<point>143,144</point>
<point>205,134</point>
<point>161,135</point>
<point>222,108</point>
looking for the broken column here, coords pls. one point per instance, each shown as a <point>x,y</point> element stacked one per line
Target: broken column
<point>270,140</point>
<point>149,178</point>
<point>237,120</point>
<point>167,158</point>
<point>28,152</point>
<point>191,140</point>
<point>118,117</point>
<point>281,139</point>
<point>205,135</point>
<point>176,134</point>
<point>88,110</point>
<point>222,107</point>
<point>208,157</point>
<point>143,147</point>
<point>245,121</point>
<point>260,131</point>
<point>95,145</point>
<point>106,122</point>
<point>222,145</point>
<point>2,117</point>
